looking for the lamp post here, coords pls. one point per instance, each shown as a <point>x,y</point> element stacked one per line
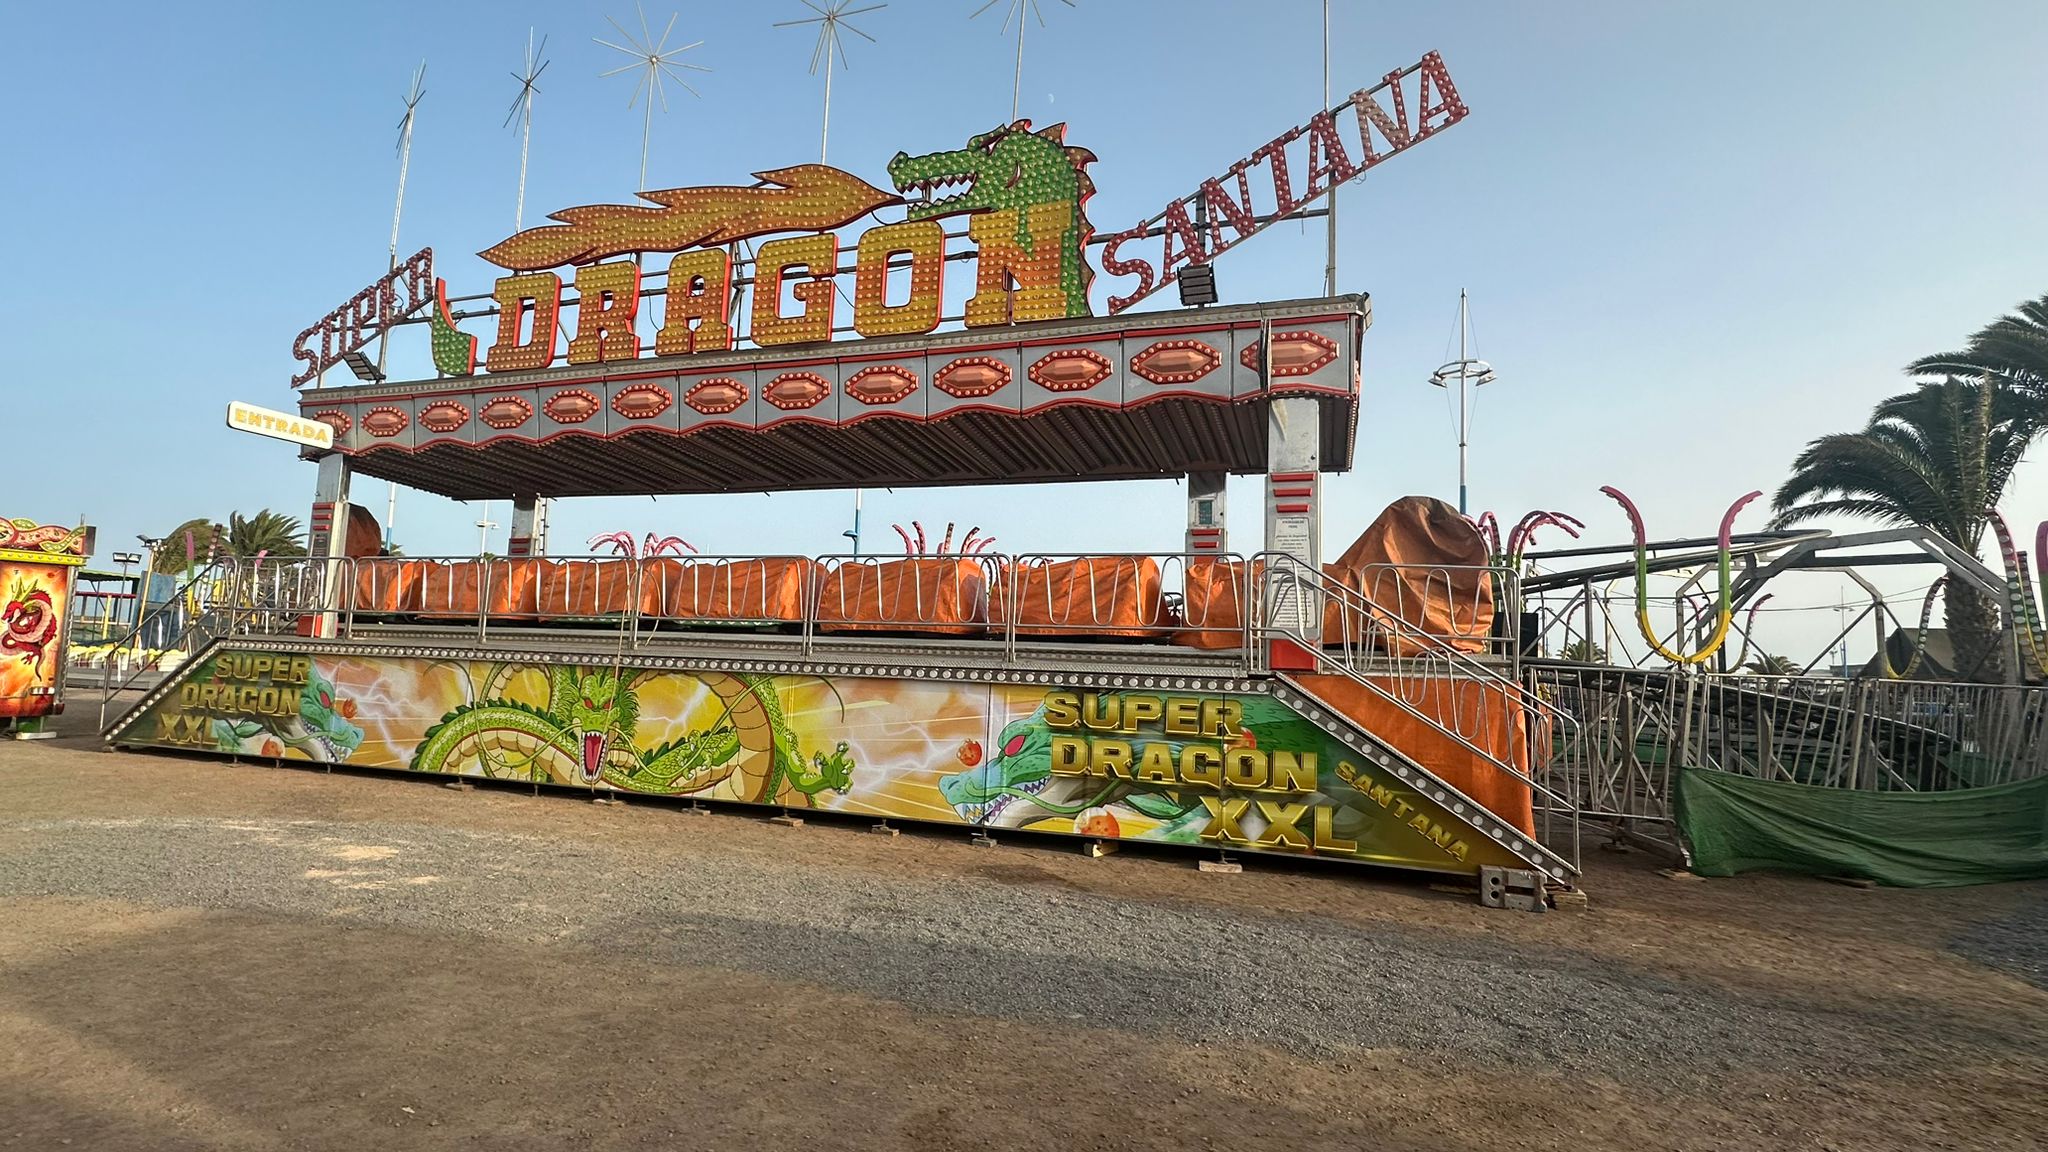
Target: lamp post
<point>1469,373</point>
<point>149,547</point>
<point>126,560</point>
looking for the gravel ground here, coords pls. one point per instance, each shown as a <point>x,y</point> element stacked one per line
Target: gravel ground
<point>1004,949</point>
<point>199,955</point>
<point>2016,942</point>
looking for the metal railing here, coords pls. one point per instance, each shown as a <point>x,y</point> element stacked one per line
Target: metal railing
<point>1641,726</point>
<point>227,596</point>
<point>1480,706</point>
<point>1196,601</point>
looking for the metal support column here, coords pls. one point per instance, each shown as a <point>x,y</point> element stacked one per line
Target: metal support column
<point>524,540</point>
<point>1294,519</point>
<point>1208,528</point>
<point>329,537</point>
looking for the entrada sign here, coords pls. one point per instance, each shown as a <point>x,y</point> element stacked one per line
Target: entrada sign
<point>1024,192</point>
<point>279,425</point>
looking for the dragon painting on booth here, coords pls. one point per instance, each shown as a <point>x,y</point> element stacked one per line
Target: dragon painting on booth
<point>28,623</point>
<point>1017,788</point>
<point>586,730</point>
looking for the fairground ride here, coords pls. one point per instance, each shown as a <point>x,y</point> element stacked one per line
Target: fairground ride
<point>1230,701</point>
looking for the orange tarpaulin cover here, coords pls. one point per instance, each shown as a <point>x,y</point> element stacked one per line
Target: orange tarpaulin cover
<point>362,537</point>
<point>769,588</point>
<point>1093,596</point>
<point>582,587</point>
<point>452,590</point>
<point>388,587</point>
<point>947,595</point>
<point>1421,561</point>
<point>1487,714</point>
<point>1212,608</point>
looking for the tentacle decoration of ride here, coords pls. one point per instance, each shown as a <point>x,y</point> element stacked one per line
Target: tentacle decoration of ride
<point>2019,588</point>
<point>1723,606</point>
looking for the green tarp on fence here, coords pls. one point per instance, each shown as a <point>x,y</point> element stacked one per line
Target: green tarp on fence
<point>1908,839</point>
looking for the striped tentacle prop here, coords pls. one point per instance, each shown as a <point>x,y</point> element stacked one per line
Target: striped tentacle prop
<point>1489,531</point>
<point>1919,637</point>
<point>2019,591</point>
<point>621,542</point>
<point>1724,610</point>
<point>1749,630</point>
<point>666,546</point>
<point>1524,533</point>
<point>909,549</point>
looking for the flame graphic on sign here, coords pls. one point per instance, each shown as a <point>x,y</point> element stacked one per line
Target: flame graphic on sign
<point>807,197</point>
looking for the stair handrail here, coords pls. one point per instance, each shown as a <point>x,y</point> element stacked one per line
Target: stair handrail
<point>1287,572</point>
<point>209,572</point>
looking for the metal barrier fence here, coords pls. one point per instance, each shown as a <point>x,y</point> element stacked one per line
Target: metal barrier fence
<point>1875,735</point>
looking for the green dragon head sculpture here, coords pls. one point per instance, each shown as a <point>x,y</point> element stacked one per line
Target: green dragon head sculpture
<point>1034,177</point>
<point>1006,167</point>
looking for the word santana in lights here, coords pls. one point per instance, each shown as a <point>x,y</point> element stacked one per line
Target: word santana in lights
<point>1024,193</point>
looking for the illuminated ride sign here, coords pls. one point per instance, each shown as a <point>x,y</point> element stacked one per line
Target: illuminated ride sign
<point>1024,194</point>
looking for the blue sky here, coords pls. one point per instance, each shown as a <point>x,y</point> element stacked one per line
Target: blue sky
<point>1696,236</point>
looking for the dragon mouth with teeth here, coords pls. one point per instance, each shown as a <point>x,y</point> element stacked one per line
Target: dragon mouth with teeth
<point>928,202</point>
<point>593,756</point>
<point>991,810</point>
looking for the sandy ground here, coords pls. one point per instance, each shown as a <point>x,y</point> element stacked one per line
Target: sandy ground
<point>203,955</point>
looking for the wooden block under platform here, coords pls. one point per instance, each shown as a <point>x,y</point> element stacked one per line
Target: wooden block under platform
<point>459,786</point>
<point>787,821</point>
<point>1225,867</point>
<point>616,800</point>
<point>1097,849</point>
<point>982,840</point>
<point>886,829</point>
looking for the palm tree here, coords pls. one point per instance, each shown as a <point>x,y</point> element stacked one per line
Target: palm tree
<point>172,552</point>
<point>1936,457</point>
<point>1768,665</point>
<point>1583,652</point>
<point>2013,348</point>
<point>274,534</point>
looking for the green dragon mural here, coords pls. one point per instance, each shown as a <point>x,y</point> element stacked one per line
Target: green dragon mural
<point>322,729</point>
<point>1015,787</point>
<point>585,734</point>
<point>1033,176</point>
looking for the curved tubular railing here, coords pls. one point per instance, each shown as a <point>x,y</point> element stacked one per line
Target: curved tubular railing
<point>1471,593</point>
<point>227,596</point>
<point>1198,601</point>
<point>1485,711</point>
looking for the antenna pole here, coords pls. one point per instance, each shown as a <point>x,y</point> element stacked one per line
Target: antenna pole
<point>412,103</point>
<point>1017,82</point>
<point>825,134</point>
<point>1330,224</point>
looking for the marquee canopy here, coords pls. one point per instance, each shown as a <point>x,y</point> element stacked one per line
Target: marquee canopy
<point>1153,395</point>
